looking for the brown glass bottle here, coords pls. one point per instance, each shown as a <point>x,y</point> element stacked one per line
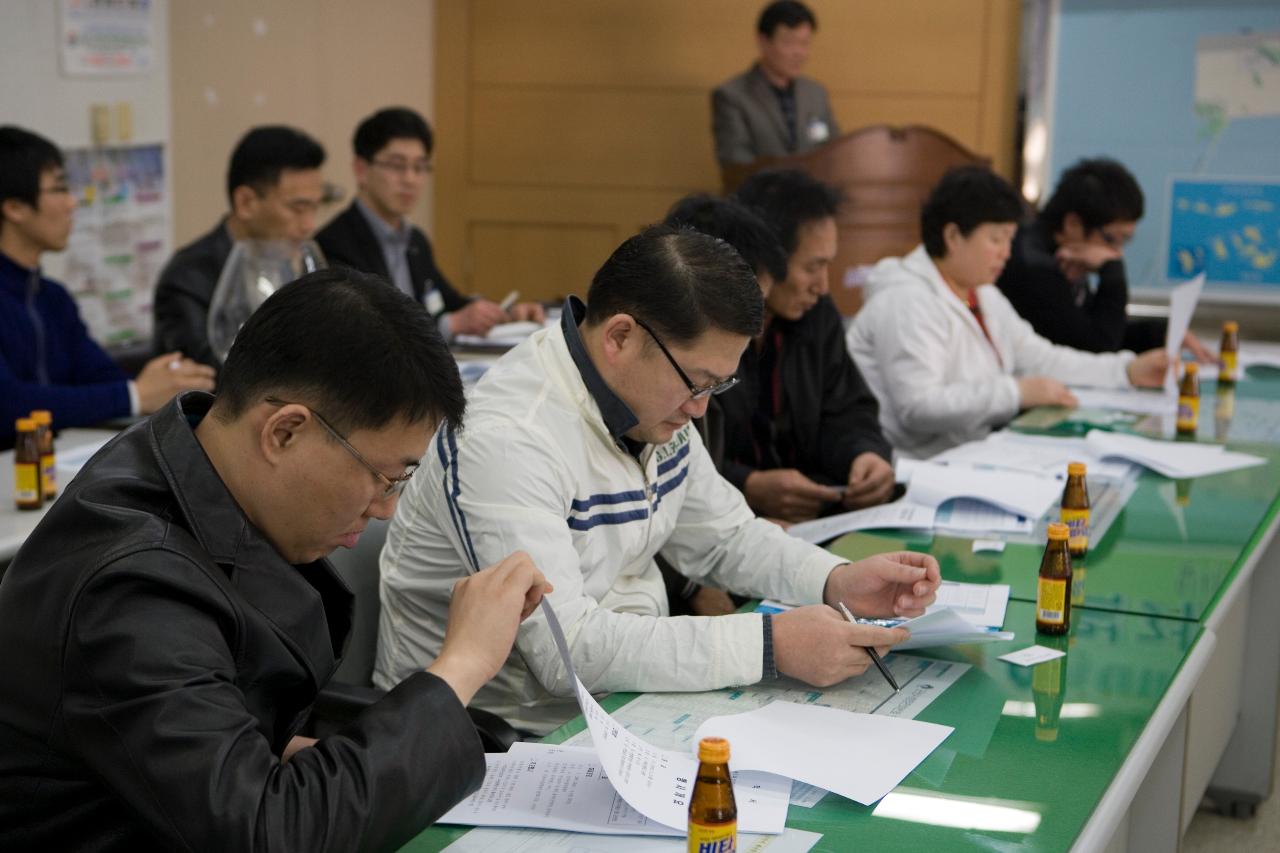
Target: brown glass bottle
<point>26,466</point>
<point>1229,354</point>
<point>1053,590</point>
<point>1075,509</point>
<point>713,813</point>
<point>1189,400</point>
<point>48,461</point>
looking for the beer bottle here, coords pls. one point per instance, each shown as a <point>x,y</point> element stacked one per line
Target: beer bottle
<point>1075,509</point>
<point>1229,354</point>
<point>48,462</point>
<point>1053,591</point>
<point>1189,400</point>
<point>26,466</point>
<point>1048,686</point>
<point>713,814</point>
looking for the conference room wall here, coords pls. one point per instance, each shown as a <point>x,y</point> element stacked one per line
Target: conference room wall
<point>321,65</point>
<point>567,124</point>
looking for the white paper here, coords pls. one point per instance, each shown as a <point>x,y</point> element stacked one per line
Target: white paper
<point>967,516</point>
<point>1013,491</point>
<point>1045,455</point>
<point>945,627</point>
<point>858,756</point>
<point>502,335</point>
<point>1177,459</point>
<point>542,840</point>
<point>901,515</point>
<point>981,604</point>
<point>1032,655</point>
<point>1140,401</point>
<point>1182,304</point>
<point>993,546</point>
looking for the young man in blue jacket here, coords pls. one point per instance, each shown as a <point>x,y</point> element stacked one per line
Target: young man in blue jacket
<point>47,359</point>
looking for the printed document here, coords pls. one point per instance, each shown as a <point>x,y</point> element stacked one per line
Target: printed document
<point>901,515</point>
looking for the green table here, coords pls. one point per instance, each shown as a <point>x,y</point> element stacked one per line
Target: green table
<point>1124,678</point>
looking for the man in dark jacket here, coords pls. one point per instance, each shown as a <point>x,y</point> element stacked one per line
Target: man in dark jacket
<point>373,235</point>
<point>274,190</point>
<point>168,624</point>
<point>802,431</point>
<point>47,359</point>
<point>1080,235</point>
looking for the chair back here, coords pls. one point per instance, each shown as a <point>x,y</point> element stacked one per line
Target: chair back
<point>359,568</point>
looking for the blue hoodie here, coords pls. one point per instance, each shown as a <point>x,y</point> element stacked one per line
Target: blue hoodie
<point>47,359</point>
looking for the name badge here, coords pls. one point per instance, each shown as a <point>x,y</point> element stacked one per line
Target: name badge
<point>434,301</point>
<point>818,130</point>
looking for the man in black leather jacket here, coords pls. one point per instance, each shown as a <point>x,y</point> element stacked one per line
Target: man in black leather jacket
<point>167,626</point>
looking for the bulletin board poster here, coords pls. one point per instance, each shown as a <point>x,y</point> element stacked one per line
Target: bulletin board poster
<point>119,241</point>
<point>106,37</point>
<point>1227,228</point>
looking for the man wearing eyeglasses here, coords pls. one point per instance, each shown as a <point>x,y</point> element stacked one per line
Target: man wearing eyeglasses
<point>392,160</point>
<point>47,359</point>
<point>170,621</point>
<point>579,450</point>
<point>1066,273</point>
<point>274,192</point>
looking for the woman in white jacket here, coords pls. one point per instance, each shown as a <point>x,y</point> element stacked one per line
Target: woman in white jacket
<point>944,351</point>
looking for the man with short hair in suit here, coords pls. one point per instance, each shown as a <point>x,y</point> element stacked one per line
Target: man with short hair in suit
<point>770,110</point>
<point>373,235</point>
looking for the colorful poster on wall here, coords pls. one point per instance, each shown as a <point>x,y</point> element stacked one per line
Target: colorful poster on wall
<point>106,37</point>
<point>1229,229</point>
<point>120,238</point>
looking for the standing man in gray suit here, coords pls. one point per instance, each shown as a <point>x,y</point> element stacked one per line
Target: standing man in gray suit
<point>770,110</point>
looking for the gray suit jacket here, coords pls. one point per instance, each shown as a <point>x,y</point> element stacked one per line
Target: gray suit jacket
<point>748,124</point>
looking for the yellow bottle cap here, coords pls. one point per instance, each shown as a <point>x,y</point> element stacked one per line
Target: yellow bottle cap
<point>1231,326</point>
<point>714,750</point>
<point>25,425</point>
<point>1058,530</point>
<point>42,416</point>
<point>1074,468</point>
<point>1191,368</point>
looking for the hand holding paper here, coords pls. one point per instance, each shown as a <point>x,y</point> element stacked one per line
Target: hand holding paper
<point>902,583</point>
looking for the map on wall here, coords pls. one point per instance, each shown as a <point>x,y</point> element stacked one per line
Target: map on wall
<point>1229,229</point>
<point>1237,77</point>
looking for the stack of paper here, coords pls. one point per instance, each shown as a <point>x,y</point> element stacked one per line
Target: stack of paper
<point>1137,400</point>
<point>895,516</point>
<point>1017,492</point>
<point>941,626</point>
<point>1177,459</point>
<point>501,335</point>
<point>981,604</point>
<point>1044,455</point>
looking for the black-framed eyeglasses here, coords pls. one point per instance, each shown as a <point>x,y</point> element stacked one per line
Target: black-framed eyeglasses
<point>696,392</point>
<point>391,485</point>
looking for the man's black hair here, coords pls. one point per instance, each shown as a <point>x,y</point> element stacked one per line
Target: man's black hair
<point>24,156</point>
<point>355,348</point>
<point>679,282</point>
<point>787,199</point>
<point>784,13</point>
<point>377,130</point>
<point>264,152</point>
<point>737,225</point>
<point>1100,191</point>
<point>968,196</point>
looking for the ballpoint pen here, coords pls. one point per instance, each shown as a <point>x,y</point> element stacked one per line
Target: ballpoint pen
<point>509,300</point>
<point>875,658</point>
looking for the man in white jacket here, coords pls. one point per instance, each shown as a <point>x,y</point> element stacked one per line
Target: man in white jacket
<point>579,450</point>
<point>945,353</point>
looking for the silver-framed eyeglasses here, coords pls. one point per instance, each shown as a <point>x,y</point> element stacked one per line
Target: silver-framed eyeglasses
<point>696,392</point>
<point>391,485</point>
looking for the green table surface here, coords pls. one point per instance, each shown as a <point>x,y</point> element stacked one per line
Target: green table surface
<point>994,784</point>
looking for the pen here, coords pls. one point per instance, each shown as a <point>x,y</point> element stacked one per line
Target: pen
<point>509,300</point>
<point>875,658</point>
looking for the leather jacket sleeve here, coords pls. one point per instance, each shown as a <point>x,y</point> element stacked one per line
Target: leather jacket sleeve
<point>152,704</point>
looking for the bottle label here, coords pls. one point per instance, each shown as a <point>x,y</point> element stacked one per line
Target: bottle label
<point>1228,364</point>
<point>26,482</point>
<point>721,838</point>
<point>1051,601</point>
<point>1188,413</point>
<point>48,475</point>
<point>1078,521</point>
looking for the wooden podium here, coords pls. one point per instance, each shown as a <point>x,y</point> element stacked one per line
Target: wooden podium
<point>885,173</point>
